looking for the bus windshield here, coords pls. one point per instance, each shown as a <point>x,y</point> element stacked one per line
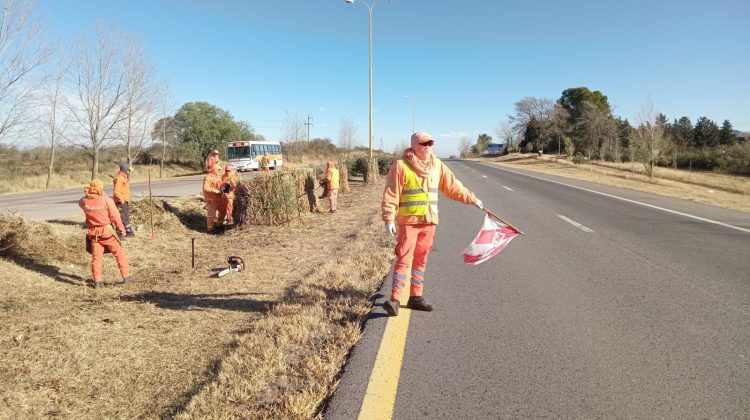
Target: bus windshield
<point>238,152</point>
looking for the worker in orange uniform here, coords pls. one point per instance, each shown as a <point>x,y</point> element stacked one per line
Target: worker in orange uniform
<point>121,196</point>
<point>214,198</point>
<point>410,201</point>
<point>229,182</point>
<point>265,162</point>
<point>332,182</point>
<point>212,159</point>
<point>101,237</point>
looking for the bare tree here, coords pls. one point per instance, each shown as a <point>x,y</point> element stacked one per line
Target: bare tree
<point>398,148</point>
<point>650,142</point>
<point>505,133</point>
<point>140,99</point>
<point>347,133</point>
<point>54,124</point>
<point>531,109</point>
<point>100,88</point>
<point>464,146</point>
<point>294,128</point>
<point>165,124</point>
<point>21,54</point>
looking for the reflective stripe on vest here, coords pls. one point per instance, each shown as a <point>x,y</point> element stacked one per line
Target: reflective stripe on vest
<point>414,200</point>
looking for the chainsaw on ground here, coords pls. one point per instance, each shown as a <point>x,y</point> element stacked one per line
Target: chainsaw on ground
<point>235,264</point>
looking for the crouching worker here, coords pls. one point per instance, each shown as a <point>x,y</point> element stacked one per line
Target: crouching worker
<point>410,200</point>
<point>229,182</point>
<point>101,237</point>
<point>213,196</point>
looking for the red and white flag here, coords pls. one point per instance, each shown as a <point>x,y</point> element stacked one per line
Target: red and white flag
<point>490,241</point>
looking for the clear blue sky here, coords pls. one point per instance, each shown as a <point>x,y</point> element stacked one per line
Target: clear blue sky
<point>465,62</point>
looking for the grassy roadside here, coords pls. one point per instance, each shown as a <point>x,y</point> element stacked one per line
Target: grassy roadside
<point>32,176</point>
<point>731,192</point>
<point>267,342</point>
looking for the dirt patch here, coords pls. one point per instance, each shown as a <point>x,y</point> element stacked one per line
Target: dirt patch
<point>266,342</point>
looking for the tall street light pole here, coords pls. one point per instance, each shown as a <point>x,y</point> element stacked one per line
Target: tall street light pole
<point>369,11</point>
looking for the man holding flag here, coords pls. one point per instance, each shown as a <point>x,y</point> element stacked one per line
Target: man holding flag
<point>410,201</point>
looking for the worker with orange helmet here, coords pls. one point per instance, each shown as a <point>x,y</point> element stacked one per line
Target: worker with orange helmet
<point>121,196</point>
<point>101,237</point>
<point>410,202</point>
<point>229,182</point>
<point>332,184</point>
<point>213,197</point>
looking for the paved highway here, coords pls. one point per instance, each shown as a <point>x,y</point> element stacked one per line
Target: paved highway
<point>49,205</point>
<point>616,304</point>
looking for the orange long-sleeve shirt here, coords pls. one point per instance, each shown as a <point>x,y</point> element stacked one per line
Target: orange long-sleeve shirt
<point>211,185</point>
<point>232,178</point>
<point>121,191</point>
<point>100,211</point>
<point>449,185</point>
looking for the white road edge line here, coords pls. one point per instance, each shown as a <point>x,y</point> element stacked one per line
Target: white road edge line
<point>508,188</point>
<point>702,219</point>
<point>576,224</point>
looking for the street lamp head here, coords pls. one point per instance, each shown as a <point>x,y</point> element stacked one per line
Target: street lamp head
<point>350,1</point>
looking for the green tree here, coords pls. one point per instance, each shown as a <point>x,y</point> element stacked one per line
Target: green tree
<point>682,132</point>
<point>202,127</point>
<point>572,101</point>
<point>726,133</point>
<point>581,103</point>
<point>706,133</point>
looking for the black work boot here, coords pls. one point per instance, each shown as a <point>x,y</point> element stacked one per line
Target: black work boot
<point>391,306</point>
<point>417,303</point>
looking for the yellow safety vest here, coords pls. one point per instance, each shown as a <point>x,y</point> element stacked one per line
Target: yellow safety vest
<point>414,200</point>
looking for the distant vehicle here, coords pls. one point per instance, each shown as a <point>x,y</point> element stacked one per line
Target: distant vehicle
<point>495,149</point>
<point>246,155</point>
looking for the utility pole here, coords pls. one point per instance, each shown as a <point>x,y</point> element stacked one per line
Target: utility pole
<point>308,124</point>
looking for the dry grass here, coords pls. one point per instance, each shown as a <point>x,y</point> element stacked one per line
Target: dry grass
<point>33,177</point>
<point>732,192</point>
<point>266,342</point>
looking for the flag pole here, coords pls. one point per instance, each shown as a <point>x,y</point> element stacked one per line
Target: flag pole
<point>503,220</point>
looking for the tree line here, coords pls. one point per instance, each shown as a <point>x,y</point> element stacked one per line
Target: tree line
<point>581,125</point>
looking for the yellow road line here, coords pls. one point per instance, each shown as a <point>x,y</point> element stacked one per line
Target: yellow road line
<point>380,396</point>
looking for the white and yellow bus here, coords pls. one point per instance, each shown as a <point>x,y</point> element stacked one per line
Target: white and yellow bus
<point>246,155</point>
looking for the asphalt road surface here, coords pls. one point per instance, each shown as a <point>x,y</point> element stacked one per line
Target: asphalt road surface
<point>616,304</point>
<point>50,205</point>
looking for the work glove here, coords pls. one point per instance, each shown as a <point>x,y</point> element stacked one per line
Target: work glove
<point>390,229</point>
<point>479,204</point>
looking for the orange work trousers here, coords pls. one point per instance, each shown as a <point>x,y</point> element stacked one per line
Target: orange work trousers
<point>215,212</point>
<point>413,244</point>
<point>229,207</point>
<point>333,199</point>
<point>111,244</point>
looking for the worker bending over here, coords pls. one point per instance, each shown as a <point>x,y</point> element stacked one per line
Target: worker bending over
<point>229,182</point>
<point>214,198</point>
<point>410,200</point>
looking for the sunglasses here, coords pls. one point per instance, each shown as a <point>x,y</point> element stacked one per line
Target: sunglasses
<point>427,143</point>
